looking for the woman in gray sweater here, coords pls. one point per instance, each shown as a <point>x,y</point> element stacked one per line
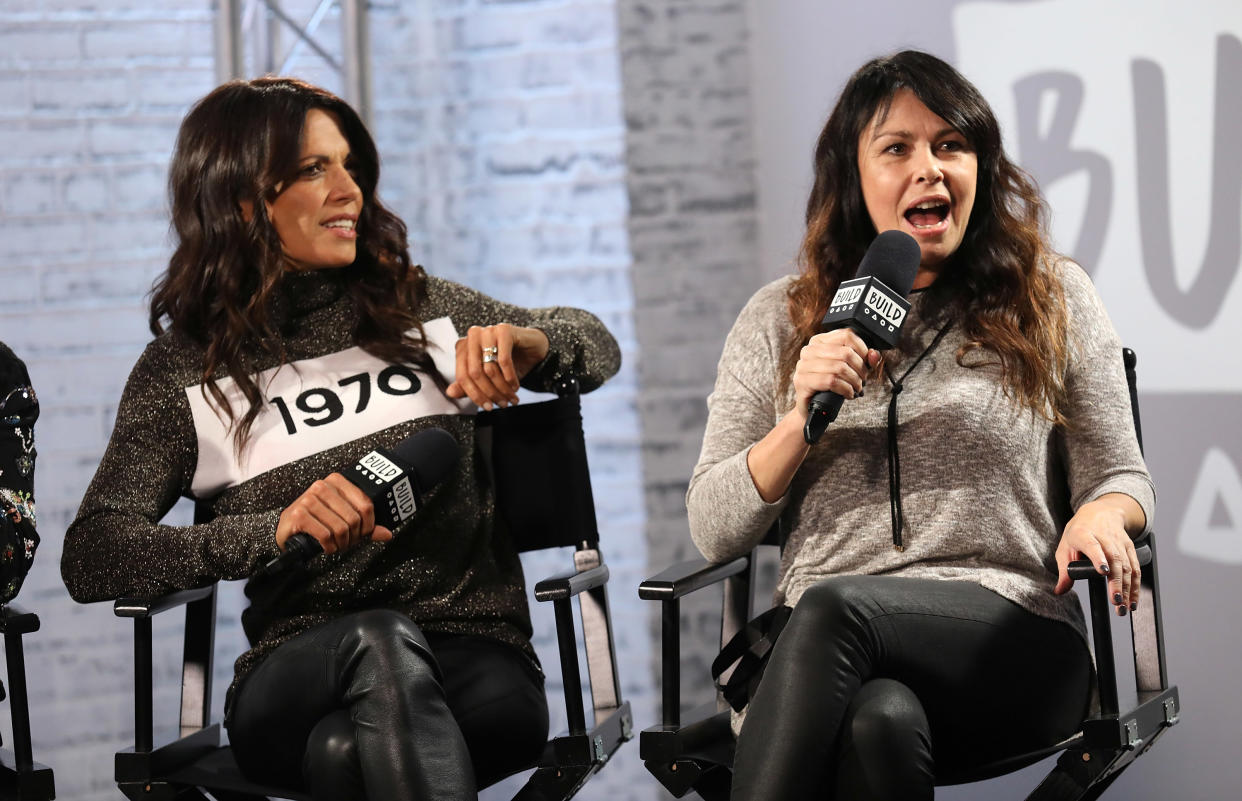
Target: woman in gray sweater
<point>928,532</point>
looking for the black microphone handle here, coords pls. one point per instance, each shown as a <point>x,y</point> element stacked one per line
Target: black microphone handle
<point>892,260</point>
<point>299,549</point>
<point>822,410</point>
<point>826,405</point>
<point>422,460</point>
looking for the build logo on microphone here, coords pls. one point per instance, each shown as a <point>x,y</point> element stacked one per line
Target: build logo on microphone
<point>885,307</point>
<point>378,469</point>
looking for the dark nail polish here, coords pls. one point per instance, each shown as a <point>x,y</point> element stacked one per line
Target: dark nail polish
<point>1134,606</point>
<point>1117,598</point>
<point>1104,566</point>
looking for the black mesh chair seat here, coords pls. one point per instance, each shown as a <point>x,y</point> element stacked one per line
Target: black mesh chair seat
<point>218,770</point>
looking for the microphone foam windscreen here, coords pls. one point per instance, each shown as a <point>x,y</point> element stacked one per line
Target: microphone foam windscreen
<point>893,258</point>
<point>431,455</point>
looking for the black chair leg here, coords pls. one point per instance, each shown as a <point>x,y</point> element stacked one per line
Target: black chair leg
<point>1081,776</point>
<point>710,782</point>
<point>1100,786</point>
<point>20,775</point>
<point>159,791</point>
<point>229,795</point>
<point>554,783</point>
<point>715,784</point>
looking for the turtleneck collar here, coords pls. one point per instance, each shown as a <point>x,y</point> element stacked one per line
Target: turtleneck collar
<point>301,293</point>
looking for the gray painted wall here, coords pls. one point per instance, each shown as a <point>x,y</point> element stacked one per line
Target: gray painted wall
<point>1124,112</point>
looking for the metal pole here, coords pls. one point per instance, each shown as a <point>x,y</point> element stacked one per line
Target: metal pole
<point>355,63</point>
<point>356,51</point>
<point>144,734</point>
<point>229,63</point>
<point>670,657</point>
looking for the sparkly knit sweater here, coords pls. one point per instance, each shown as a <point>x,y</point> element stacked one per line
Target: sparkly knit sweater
<point>328,404</point>
<point>986,486</point>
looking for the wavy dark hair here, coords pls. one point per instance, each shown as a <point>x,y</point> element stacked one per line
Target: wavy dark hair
<point>999,284</point>
<point>239,147</point>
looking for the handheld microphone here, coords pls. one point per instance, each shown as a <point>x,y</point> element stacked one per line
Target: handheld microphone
<point>394,480</point>
<point>873,305</point>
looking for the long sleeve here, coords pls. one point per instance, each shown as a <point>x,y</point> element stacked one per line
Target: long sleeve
<point>579,344</point>
<point>116,545</point>
<point>727,515</point>
<point>987,485</point>
<point>1101,451</point>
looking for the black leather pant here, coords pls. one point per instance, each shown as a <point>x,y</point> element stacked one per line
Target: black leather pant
<point>368,707</point>
<point>879,683</point>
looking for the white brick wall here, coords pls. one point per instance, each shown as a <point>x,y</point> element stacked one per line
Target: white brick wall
<point>504,144</point>
<point>522,168</point>
<point>693,233</point>
<point>91,97</point>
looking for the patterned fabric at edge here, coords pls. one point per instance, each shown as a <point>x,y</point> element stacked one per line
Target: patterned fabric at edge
<point>19,409</point>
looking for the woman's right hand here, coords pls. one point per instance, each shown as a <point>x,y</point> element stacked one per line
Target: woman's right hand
<point>335,513</point>
<point>835,361</point>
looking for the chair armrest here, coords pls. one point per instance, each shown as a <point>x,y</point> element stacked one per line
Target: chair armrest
<point>15,620</point>
<point>1101,626</point>
<point>146,607</point>
<point>1083,569</point>
<point>567,585</point>
<point>684,578</point>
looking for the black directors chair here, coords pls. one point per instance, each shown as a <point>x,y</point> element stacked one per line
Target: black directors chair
<point>543,500</point>
<point>695,752</point>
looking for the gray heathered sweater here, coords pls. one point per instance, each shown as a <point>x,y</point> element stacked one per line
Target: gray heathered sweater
<point>987,487</point>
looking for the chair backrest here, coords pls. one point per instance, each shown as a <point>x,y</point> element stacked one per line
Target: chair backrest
<point>537,453</point>
<point>1146,624</point>
<point>1130,360</point>
<point>540,474</point>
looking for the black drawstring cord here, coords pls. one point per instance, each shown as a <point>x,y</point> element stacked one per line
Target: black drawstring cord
<point>894,460</point>
<point>894,470</point>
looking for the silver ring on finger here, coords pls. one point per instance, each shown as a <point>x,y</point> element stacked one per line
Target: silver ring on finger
<point>490,354</point>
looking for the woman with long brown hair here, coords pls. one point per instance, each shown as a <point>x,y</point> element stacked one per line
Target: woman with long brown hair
<point>293,336</point>
<point>928,532</point>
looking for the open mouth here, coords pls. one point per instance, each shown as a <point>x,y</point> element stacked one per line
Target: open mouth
<point>928,214</point>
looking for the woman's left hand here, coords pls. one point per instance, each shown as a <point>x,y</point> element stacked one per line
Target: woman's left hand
<point>1098,531</point>
<point>511,351</point>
